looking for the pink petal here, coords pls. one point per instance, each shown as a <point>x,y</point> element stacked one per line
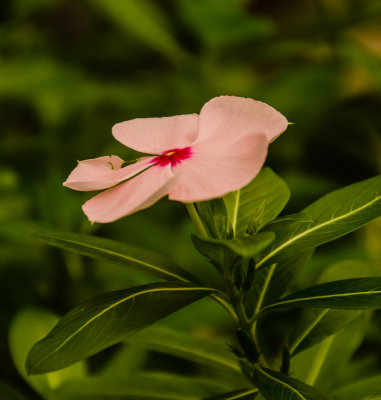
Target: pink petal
<point>156,135</point>
<point>209,175</point>
<point>135,194</point>
<point>227,116</point>
<point>103,172</point>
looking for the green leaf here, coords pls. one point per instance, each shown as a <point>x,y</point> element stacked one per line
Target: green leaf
<point>347,294</point>
<point>248,246</point>
<point>332,216</point>
<point>257,203</point>
<point>273,280</point>
<point>221,23</point>
<point>245,394</point>
<point>323,364</point>
<point>315,325</point>
<point>27,327</point>
<point>144,20</point>
<point>276,386</point>
<point>214,216</point>
<point>366,389</point>
<point>106,320</point>
<point>186,345</point>
<point>117,253</point>
<point>142,386</point>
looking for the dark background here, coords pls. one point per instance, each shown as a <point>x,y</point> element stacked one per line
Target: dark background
<point>70,69</point>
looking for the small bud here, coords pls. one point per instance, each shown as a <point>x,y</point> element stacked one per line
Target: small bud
<point>236,351</point>
<point>247,345</point>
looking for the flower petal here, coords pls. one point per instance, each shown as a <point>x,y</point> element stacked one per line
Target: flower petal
<point>229,116</point>
<point>209,175</point>
<point>137,193</point>
<point>156,135</point>
<point>103,172</point>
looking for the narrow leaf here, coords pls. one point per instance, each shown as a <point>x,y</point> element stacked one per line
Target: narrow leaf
<point>322,365</point>
<point>186,345</point>
<point>276,386</point>
<point>272,281</point>
<point>106,320</point>
<point>143,386</point>
<point>143,19</point>
<point>28,326</point>
<point>248,246</point>
<point>257,203</point>
<point>318,324</point>
<point>332,216</point>
<point>347,294</point>
<point>366,389</point>
<point>245,394</point>
<point>314,325</point>
<point>117,253</point>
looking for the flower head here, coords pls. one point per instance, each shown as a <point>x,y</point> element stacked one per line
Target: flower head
<point>193,157</point>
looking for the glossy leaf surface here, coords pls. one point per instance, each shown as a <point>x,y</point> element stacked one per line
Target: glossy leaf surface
<point>314,325</point>
<point>106,320</point>
<point>276,386</point>
<point>347,294</point>
<point>116,252</point>
<point>257,203</point>
<point>330,217</point>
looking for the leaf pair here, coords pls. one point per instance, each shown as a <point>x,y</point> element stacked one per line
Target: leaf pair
<point>297,235</point>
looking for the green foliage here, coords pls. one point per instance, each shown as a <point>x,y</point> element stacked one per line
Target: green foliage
<point>116,252</point>
<point>349,294</point>
<point>332,216</point>
<point>197,349</point>
<point>246,394</point>
<point>37,323</point>
<point>111,317</point>
<point>144,20</point>
<point>276,386</point>
<point>70,70</point>
<point>252,207</point>
<point>242,246</point>
<point>367,389</point>
<point>106,320</point>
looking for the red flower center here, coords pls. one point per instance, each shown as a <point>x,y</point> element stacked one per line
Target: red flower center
<point>173,156</point>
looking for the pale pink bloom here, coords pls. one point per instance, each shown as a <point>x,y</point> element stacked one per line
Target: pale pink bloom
<point>193,157</point>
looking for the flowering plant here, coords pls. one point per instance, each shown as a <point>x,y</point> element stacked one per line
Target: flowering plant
<point>213,163</point>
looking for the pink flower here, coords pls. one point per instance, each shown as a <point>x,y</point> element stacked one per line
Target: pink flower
<point>195,157</point>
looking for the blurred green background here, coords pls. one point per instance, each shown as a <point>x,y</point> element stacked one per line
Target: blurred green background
<point>71,69</point>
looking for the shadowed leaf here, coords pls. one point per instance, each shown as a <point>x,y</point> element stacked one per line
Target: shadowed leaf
<point>117,253</point>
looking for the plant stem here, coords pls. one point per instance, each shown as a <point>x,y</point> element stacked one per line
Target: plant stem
<point>236,300</point>
<point>319,360</point>
<point>196,219</point>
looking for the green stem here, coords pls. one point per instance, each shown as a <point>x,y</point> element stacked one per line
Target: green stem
<point>305,333</point>
<point>226,305</point>
<point>319,360</point>
<point>236,299</point>
<point>196,219</point>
